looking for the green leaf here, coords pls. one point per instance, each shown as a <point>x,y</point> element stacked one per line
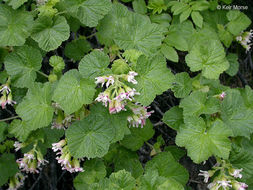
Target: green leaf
<point>116,121</point>
<point>108,25</point>
<point>20,129</point>
<point>119,66</point>
<point>182,85</point>
<point>202,141</point>
<point>169,52</point>
<point>16,3</point>
<point>22,65</point>
<point>176,40</point>
<point>234,65</point>
<point>139,6</point>
<point>210,59</point>
<point>235,115</point>
<point>176,152</point>
<point>171,184</point>
<point>198,103</point>
<point>138,136</point>
<point>225,36</point>
<point>57,63</point>
<point>197,18</point>
<point>15,26</point>
<point>137,32</point>
<point>162,19</point>
<point>89,12</point>
<point>132,55</point>
<point>50,32</point>
<point>128,160</point>
<point>178,7</point>
<point>174,118</point>
<point>3,129</point>
<point>89,137</point>
<point>167,167</point>
<point>72,91</point>
<point>185,15</point>
<point>154,78</point>
<point>238,22</point>
<point>94,64</point>
<point>8,167</point>
<point>94,170</point>
<point>76,49</point>
<point>36,109</point>
<point>247,94</point>
<point>122,180</point>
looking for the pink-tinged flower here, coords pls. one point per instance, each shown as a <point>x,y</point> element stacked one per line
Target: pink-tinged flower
<point>104,98</point>
<point>16,181</point>
<point>59,145</point>
<point>224,184</point>
<point>236,173</point>
<point>101,80</point>
<point>110,80</point>
<point>17,146</point>
<point>116,106</point>
<point>6,100</point>
<point>222,95</point>
<point>130,77</point>
<point>239,185</point>
<point>205,174</point>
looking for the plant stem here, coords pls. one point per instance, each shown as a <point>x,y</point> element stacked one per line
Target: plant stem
<point>43,74</point>
<point>10,118</point>
<point>90,36</point>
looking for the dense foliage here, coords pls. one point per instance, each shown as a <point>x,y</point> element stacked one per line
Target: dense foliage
<point>125,95</point>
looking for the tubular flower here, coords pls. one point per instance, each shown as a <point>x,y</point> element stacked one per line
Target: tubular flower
<point>16,181</point>
<point>65,159</point>
<point>139,116</point>
<point>239,185</point>
<point>104,98</point>
<point>31,162</point>
<point>205,174</point>
<point>236,173</point>
<point>224,184</point>
<point>245,39</point>
<point>130,77</point>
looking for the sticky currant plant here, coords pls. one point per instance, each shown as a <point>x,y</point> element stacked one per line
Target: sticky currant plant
<point>125,95</point>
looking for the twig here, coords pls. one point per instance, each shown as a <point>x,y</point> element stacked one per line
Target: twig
<point>37,180</point>
<point>243,80</point>
<point>158,124</point>
<point>157,109</point>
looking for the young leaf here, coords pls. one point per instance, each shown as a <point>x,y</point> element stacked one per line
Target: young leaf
<point>23,64</point>
<point>94,171</point>
<point>15,26</point>
<point>202,142</point>
<point>233,64</point>
<point>94,64</point>
<point>89,12</point>
<point>36,109</point>
<point>182,85</point>
<point>122,180</point>
<point>169,52</point>
<point>72,91</point>
<point>174,118</point>
<point>8,167</point>
<point>57,63</point>
<point>197,18</point>
<point>16,3</point>
<point>76,49</point>
<point>139,6</point>
<point>210,59</point>
<point>198,103</point>
<point>167,167</point>
<point>154,78</point>
<point>20,129</point>
<point>50,33</point>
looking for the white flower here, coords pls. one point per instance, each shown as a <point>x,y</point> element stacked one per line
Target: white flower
<point>130,77</point>
<point>224,184</point>
<point>205,174</point>
<point>236,173</point>
<point>110,80</point>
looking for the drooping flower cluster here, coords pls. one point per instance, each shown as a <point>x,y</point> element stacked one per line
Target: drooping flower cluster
<point>16,181</point>
<point>225,179</point>
<point>117,93</point>
<point>245,39</point>
<point>139,116</point>
<point>64,158</point>
<point>32,161</point>
<point>6,96</point>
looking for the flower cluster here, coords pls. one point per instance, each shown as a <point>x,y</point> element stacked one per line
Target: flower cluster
<point>226,178</point>
<point>117,93</point>
<point>139,116</point>
<point>16,181</point>
<point>64,158</point>
<point>245,39</point>
<point>32,161</point>
<point>6,96</point>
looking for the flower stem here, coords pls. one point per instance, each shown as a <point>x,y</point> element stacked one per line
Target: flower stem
<point>43,74</point>
<point>10,118</point>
